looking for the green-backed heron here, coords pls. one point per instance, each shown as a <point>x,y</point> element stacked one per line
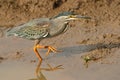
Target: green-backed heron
<point>41,28</point>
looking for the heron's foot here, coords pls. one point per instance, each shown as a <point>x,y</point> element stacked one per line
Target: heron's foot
<point>52,68</point>
<point>51,49</point>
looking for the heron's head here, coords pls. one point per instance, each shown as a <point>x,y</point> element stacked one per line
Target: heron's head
<point>68,16</point>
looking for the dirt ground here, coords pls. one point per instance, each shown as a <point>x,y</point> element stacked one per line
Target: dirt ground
<point>91,49</point>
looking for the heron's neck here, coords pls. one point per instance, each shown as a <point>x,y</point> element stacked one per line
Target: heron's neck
<point>58,27</point>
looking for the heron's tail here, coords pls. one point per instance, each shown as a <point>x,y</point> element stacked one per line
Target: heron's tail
<point>9,32</point>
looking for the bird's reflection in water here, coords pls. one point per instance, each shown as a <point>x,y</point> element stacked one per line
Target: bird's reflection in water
<point>40,75</point>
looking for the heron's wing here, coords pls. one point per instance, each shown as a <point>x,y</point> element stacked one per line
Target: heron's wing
<point>37,31</point>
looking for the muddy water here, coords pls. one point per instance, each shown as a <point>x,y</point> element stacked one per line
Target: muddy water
<point>18,62</point>
<point>16,71</point>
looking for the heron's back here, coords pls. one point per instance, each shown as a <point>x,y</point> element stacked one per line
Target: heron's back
<point>34,29</point>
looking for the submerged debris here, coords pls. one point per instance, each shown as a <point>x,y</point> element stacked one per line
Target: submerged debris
<point>87,59</point>
<point>1,59</point>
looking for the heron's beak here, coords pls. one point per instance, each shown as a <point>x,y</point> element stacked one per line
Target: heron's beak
<point>85,17</point>
<point>76,17</point>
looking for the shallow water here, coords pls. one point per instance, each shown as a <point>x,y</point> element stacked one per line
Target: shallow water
<point>20,63</point>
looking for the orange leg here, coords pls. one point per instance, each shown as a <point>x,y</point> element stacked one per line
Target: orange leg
<point>52,68</point>
<point>37,53</point>
<point>50,48</point>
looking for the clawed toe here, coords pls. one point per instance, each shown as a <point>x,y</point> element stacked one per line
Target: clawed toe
<point>51,49</point>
